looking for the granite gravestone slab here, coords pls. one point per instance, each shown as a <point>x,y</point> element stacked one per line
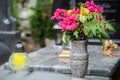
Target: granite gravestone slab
<point>41,75</point>
<point>100,66</point>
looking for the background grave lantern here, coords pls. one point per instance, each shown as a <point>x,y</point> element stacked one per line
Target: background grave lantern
<point>58,34</point>
<point>63,48</point>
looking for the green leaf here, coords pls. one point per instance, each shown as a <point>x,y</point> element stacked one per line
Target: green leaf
<point>102,41</point>
<point>64,37</point>
<point>75,33</point>
<point>99,36</point>
<point>110,27</point>
<point>85,30</point>
<point>105,34</point>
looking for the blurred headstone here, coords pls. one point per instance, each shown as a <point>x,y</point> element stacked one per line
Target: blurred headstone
<point>9,35</point>
<point>7,22</point>
<point>111,12</point>
<point>63,4</point>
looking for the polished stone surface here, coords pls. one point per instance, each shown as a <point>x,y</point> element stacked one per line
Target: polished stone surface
<point>46,59</point>
<point>40,75</point>
<point>8,39</point>
<point>37,75</point>
<point>4,53</point>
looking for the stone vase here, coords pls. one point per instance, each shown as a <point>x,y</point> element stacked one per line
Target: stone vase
<point>79,59</point>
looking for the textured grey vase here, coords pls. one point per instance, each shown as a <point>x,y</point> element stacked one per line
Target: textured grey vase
<point>79,59</point>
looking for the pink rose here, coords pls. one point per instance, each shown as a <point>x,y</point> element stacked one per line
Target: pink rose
<point>59,14</point>
<point>93,7</point>
<point>68,23</point>
<point>73,12</point>
<point>77,11</point>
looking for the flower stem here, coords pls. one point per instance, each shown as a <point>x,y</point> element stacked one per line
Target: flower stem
<point>103,42</point>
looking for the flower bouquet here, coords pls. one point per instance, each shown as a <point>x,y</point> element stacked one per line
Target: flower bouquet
<point>85,21</point>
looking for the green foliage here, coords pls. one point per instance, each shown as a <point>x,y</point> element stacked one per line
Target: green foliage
<point>76,33</point>
<point>41,25</point>
<point>64,37</point>
<point>15,12</point>
<point>97,28</point>
<point>37,32</point>
<point>89,23</point>
<point>92,27</point>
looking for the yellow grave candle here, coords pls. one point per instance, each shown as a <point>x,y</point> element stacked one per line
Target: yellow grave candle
<point>19,59</point>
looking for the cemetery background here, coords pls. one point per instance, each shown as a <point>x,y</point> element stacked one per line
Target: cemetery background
<point>33,20</point>
<point>27,30</point>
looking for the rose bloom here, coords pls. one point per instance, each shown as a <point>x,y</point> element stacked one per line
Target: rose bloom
<point>59,14</point>
<point>73,12</point>
<point>93,7</point>
<point>77,11</point>
<point>68,23</point>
